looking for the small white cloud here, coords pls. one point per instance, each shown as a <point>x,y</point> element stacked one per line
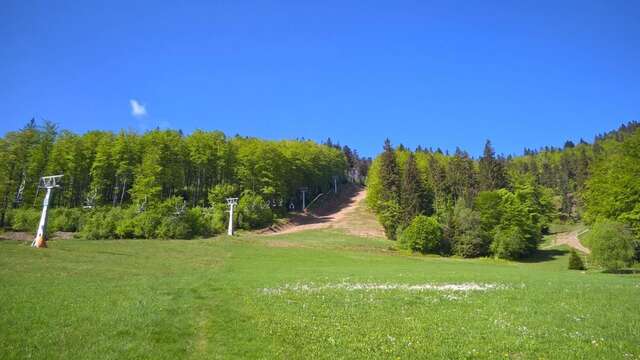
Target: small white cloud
<point>137,109</point>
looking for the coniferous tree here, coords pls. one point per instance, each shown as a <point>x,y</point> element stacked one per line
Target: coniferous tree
<point>389,174</point>
<point>491,175</point>
<point>438,178</point>
<point>461,177</point>
<point>411,191</point>
<point>390,212</point>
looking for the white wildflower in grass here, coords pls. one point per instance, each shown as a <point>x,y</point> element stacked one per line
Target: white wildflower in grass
<point>456,288</point>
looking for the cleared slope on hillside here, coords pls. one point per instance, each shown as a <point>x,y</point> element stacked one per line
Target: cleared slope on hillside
<point>347,211</point>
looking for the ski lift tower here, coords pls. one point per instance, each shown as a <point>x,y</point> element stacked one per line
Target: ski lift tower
<point>231,202</point>
<point>49,183</point>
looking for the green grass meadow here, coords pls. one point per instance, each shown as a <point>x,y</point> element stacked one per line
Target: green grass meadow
<point>280,297</point>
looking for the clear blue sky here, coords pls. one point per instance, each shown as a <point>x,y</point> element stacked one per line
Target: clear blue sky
<point>441,74</point>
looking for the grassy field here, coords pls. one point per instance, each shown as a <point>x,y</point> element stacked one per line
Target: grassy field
<point>316,294</point>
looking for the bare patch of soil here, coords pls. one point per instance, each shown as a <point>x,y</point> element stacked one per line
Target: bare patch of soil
<point>347,212</point>
<point>571,239</point>
<point>29,236</point>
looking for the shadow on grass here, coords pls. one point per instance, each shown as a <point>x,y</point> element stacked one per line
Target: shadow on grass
<point>542,255</point>
<point>622,271</point>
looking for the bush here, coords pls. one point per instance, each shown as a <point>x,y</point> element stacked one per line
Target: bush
<point>65,219</point>
<point>423,234</point>
<point>469,244</point>
<point>611,244</point>
<point>175,227</point>
<point>208,221</point>
<point>101,223</point>
<point>126,227</point>
<point>509,243</point>
<point>575,261</point>
<point>254,211</point>
<point>24,219</point>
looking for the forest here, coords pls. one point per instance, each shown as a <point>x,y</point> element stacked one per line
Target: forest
<point>435,202</point>
<point>161,183</point>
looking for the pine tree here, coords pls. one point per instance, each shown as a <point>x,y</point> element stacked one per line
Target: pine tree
<point>411,191</point>
<point>390,193</point>
<point>575,261</point>
<point>492,175</point>
<point>389,174</point>
<point>462,177</point>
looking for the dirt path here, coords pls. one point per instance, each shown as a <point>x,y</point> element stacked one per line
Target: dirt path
<point>350,215</point>
<point>571,239</point>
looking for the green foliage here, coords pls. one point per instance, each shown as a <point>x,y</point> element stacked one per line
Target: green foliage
<point>139,173</point>
<point>101,223</point>
<point>466,233</point>
<point>389,174</point>
<point>461,177</point>
<point>491,174</point>
<point>219,193</point>
<point>255,213</point>
<point>613,190</point>
<point>488,204</point>
<point>424,234</point>
<point>65,219</point>
<point>512,220</point>
<point>208,221</point>
<point>611,244</point>
<point>509,243</point>
<point>411,191</point>
<point>389,214</point>
<point>575,261</point>
<point>24,219</point>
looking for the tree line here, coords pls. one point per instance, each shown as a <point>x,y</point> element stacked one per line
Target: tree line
<point>142,171</point>
<point>502,206</point>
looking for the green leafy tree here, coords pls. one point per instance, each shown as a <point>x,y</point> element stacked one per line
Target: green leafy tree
<point>424,234</point>
<point>611,244</point>
<point>255,213</point>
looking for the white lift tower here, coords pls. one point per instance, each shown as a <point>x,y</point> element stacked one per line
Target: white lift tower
<point>231,202</point>
<point>49,183</point>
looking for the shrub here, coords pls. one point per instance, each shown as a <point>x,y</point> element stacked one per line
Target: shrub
<point>126,227</point>
<point>146,223</point>
<point>24,219</point>
<point>254,211</point>
<point>611,244</point>
<point>208,221</point>
<point>101,223</point>
<point>575,261</point>
<point>509,243</point>
<point>65,219</point>
<point>175,227</point>
<point>470,244</point>
<point>423,234</point>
